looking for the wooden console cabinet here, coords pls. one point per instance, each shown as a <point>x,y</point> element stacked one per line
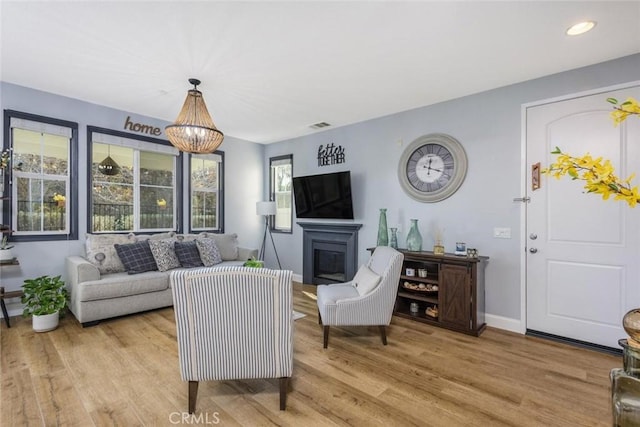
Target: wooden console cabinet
<point>458,298</point>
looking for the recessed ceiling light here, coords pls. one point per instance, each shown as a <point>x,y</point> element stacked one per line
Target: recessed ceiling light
<point>580,28</point>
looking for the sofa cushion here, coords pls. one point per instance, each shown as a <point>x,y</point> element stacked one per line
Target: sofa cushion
<point>122,285</point>
<point>209,252</point>
<point>136,257</point>
<point>188,254</point>
<point>365,280</point>
<point>157,236</point>
<point>227,245</point>
<point>100,251</point>
<point>164,254</point>
<point>191,236</point>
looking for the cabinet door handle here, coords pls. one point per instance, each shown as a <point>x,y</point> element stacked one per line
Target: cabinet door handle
<point>533,250</point>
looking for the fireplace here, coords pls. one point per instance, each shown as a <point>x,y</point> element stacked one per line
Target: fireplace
<point>330,252</point>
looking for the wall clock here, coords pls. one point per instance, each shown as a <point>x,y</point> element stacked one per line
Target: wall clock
<point>432,167</point>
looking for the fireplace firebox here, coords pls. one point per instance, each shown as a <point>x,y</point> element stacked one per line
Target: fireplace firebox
<point>330,252</point>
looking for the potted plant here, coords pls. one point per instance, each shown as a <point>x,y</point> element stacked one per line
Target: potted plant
<point>252,262</point>
<point>5,249</point>
<point>44,298</point>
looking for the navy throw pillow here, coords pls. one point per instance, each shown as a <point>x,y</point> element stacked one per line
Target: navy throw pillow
<point>188,254</point>
<point>136,257</point>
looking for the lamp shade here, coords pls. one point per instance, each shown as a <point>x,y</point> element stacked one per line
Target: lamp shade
<point>266,208</point>
<point>109,167</point>
<point>194,130</point>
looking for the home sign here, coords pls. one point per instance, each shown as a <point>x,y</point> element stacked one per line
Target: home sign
<point>139,127</point>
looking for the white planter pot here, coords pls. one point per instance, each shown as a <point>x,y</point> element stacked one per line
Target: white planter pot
<point>6,255</point>
<point>46,322</point>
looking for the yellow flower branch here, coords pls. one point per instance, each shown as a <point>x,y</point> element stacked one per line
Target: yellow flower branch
<point>597,173</point>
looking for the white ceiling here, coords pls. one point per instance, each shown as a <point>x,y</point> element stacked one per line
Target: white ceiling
<point>269,70</point>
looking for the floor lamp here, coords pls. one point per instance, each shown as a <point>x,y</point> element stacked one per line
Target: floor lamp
<point>267,209</point>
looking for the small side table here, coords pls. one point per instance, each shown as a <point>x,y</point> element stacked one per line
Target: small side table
<point>3,295</point>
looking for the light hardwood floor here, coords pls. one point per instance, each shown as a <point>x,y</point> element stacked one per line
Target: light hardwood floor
<point>125,372</point>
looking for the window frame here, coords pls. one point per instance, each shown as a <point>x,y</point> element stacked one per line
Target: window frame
<point>221,170</point>
<point>272,196</point>
<point>72,197</point>
<point>178,178</point>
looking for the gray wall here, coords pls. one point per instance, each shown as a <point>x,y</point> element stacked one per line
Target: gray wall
<point>489,127</point>
<point>243,179</point>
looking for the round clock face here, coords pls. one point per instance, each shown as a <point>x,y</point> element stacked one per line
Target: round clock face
<point>432,167</point>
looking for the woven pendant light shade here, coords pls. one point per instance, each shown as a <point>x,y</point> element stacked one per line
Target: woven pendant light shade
<point>194,131</point>
<point>109,166</point>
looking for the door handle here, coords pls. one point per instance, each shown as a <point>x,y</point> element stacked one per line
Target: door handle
<point>533,236</point>
<point>533,250</point>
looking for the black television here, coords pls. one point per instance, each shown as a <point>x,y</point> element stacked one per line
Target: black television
<point>326,196</point>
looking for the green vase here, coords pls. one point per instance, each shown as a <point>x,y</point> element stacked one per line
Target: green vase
<point>393,242</point>
<point>383,234</point>
<point>414,238</point>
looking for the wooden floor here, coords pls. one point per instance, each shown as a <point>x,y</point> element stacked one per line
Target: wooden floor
<point>125,372</point>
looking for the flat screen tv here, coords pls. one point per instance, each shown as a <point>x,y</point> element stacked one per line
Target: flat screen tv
<point>325,196</point>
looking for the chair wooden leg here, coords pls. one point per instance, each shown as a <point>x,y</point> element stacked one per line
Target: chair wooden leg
<point>193,394</point>
<point>283,393</point>
<point>325,337</point>
<point>383,334</point>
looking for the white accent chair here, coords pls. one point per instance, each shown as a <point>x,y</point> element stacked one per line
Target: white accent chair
<point>233,323</point>
<point>342,304</point>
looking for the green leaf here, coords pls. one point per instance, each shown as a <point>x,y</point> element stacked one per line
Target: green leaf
<point>614,187</point>
<point>612,101</point>
<point>625,103</point>
<point>557,151</point>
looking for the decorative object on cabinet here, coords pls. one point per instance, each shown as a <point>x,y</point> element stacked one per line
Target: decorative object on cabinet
<point>450,296</point>
<point>393,242</point>
<point>383,233</point>
<point>461,248</point>
<point>438,248</point>
<point>625,383</point>
<point>432,167</point>
<point>414,238</point>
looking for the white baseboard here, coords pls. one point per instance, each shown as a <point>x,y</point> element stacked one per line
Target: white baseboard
<point>506,323</point>
<point>297,278</point>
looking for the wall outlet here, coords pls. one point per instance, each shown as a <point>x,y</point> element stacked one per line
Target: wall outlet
<point>502,232</point>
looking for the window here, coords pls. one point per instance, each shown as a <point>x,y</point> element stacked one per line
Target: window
<point>280,171</point>
<point>143,195</point>
<point>43,177</point>
<point>206,186</point>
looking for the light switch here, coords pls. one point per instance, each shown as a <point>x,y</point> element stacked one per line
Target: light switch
<point>502,232</point>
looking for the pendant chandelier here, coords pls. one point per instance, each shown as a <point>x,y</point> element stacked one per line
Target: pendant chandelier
<point>194,131</point>
<point>109,166</point>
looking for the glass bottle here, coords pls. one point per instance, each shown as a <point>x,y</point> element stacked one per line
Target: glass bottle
<point>414,238</point>
<point>383,234</point>
<point>394,238</point>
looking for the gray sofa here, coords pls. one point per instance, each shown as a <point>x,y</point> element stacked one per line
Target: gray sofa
<point>100,288</point>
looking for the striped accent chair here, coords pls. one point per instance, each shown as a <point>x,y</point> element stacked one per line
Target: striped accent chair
<point>233,323</point>
<point>342,304</point>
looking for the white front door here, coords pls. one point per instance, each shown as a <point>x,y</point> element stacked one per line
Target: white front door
<point>583,253</point>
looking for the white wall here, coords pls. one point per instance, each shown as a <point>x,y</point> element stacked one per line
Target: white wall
<point>488,125</point>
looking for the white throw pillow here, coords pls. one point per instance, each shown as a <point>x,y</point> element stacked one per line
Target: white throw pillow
<point>365,280</point>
